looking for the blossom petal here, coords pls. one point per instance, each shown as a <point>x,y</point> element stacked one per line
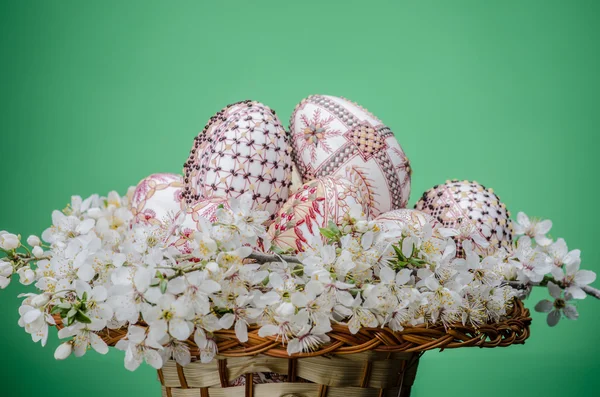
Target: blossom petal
<point>571,312</point>
<point>553,318</point>
<point>544,306</point>
<point>585,277</point>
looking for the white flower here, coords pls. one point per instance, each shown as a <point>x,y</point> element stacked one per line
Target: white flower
<point>533,264</point>
<point>560,254</point>
<point>139,347</point>
<point>35,322</point>
<point>63,351</point>
<point>558,307</point>
<point>6,271</point>
<point>248,221</point>
<point>26,275</point>
<point>84,336</point>
<point>9,241</point>
<point>173,316</point>
<point>534,228</point>
<point>361,317</point>
<point>37,252</point>
<point>94,299</point>
<point>573,280</point>
<point>206,345</point>
<point>308,339</point>
<point>34,241</point>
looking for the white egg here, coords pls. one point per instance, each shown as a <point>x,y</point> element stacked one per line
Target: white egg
<point>242,149</point>
<point>405,218</point>
<point>329,134</point>
<point>157,198</point>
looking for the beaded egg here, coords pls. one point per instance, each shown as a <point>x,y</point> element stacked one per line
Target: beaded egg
<point>470,208</point>
<point>315,204</point>
<point>157,198</point>
<point>329,133</point>
<point>243,148</point>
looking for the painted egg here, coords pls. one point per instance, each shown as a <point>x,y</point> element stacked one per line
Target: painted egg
<point>243,148</point>
<point>157,198</point>
<point>329,133</point>
<point>193,216</point>
<point>313,206</point>
<point>405,218</point>
<point>296,180</point>
<point>471,209</point>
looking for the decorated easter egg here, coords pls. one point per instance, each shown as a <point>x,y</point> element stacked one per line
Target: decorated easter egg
<point>317,202</point>
<point>329,133</point>
<point>243,148</point>
<point>405,218</point>
<point>192,218</point>
<point>157,198</point>
<point>296,180</point>
<point>476,212</point>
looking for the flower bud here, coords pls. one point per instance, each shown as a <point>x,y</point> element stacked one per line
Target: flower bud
<point>38,252</point>
<point>34,241</point>
<point>6,269</point>
<point>26,275</point>
<point>63,351</point>
<point>40,300</point>
<point>9,241</point>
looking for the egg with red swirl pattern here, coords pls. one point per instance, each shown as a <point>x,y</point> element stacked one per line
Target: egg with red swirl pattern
<point>473,210</point>
<point>329,133</point>
<point>317,202</point>
<point>243,148</point>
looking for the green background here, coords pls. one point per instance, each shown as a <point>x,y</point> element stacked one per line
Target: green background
<point>95,96</point>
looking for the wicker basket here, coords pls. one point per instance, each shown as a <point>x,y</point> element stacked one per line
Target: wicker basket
<point>375,362</point>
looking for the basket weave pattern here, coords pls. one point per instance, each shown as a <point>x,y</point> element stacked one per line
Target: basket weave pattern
<point>374,362</point>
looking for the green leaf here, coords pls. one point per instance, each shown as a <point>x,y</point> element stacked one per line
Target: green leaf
<point>71,313</point>
<point>327,233</point>
<point>333,227</point>
<point>82,317</point>
<point>55,310</point>
<point>163,286</point>
<point>64,305</point>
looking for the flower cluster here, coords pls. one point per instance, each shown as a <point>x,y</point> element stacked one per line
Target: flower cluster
<point>97,269</point>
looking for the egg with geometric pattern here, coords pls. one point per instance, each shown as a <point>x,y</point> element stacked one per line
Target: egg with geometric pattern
<point>243,148</point>
<point>329,133</point>
<point>473,210</point>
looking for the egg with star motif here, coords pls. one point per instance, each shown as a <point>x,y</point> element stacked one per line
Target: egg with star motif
<point>314,205</point>
<point>243,148</point>
<point>329,133</point>
<point>157,199</point>
<point>473,210</point>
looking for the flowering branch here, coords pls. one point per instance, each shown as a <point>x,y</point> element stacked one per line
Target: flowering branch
<point>591,291</point>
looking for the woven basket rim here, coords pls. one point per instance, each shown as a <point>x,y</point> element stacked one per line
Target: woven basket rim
<point>512,329</point>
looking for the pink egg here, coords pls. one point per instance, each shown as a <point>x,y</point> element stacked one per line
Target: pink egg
<point>157,198</point>
<point>315,204</point>
<point>242,149</point>
<point>330,133</point>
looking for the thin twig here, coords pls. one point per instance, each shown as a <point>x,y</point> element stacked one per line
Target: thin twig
<point>265,258</point>
<point>591,291</point>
